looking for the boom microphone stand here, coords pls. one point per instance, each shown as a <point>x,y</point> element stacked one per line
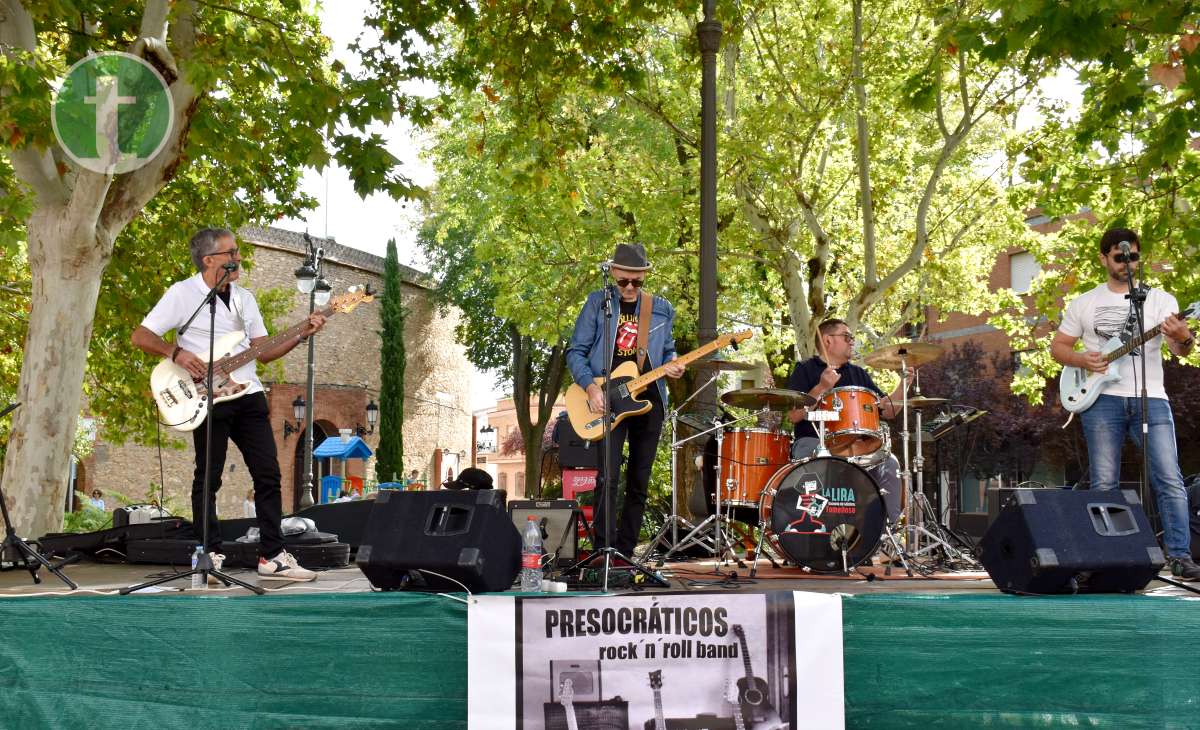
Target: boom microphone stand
<point>204,565</point>
<point>33,558</point>
<point>608,552</point>
<point>1137,304</point>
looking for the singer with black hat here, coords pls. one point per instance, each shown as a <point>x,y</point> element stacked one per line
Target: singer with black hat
<point>640,331</point>
<point>245,419</point>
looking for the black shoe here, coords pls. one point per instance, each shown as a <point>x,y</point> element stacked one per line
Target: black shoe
<point>1185,569</point>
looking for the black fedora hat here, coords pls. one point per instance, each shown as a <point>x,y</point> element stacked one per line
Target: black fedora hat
<point>631,257</point>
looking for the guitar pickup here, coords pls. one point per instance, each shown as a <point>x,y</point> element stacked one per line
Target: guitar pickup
<point>183,386</point>
<point>169,397</point>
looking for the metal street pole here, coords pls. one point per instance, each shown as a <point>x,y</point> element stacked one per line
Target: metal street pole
<point>709,33</point>
<point>306,495</point>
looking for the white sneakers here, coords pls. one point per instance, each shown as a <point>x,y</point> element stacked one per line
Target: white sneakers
<point>218,560</point>
<point>283,567</point>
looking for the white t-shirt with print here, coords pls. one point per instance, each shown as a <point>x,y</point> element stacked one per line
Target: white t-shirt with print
<point>1101,314</point>
<point>241,314</point>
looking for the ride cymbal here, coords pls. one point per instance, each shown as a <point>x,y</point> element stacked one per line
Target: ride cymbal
<point>921,401</point>
<point>775,399</point>
<point>912,354</point>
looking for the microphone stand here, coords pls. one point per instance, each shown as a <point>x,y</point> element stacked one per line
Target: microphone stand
<point>1137,302</point>
<point>22,550</point>
<point>204,565</point>
<point>608,552</point>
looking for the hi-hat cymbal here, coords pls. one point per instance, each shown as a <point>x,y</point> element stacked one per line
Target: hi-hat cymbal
<point>726,365</point>
<point>912,354</point>
<point>923,401</point>
<point>775,399</point>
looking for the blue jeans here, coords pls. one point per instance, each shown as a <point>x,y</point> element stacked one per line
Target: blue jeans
<point>1106,424</point>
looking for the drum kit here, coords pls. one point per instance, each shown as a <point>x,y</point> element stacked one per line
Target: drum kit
<point>826,513</point>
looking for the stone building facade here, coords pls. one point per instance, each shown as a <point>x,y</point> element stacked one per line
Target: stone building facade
<point>437,422</point>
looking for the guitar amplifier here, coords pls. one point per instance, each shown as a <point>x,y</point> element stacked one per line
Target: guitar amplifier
<point>699,722</point>
<point>604,715</point>
<point>556,519</point>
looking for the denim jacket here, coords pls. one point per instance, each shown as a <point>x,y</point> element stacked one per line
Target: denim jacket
<point>585,355</point>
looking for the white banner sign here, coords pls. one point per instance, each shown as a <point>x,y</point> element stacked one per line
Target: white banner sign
<point>666,661</point>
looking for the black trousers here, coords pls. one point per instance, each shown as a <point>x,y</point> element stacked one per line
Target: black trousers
<point>245,421</point>
<point>642,432</point>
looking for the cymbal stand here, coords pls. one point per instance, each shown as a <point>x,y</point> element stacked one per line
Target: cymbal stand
<point>675,520</point>
<point>719,546</point>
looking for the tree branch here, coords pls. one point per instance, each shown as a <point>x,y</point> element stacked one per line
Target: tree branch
<point>35,169</point>
<point>870,275</point>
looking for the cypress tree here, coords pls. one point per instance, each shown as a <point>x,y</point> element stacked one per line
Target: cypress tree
<point>389,458</point>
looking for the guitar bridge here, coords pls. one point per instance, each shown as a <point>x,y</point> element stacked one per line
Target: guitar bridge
<point>168,397</point>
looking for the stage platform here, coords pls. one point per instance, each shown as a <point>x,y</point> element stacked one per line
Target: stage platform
<point>949,652</point>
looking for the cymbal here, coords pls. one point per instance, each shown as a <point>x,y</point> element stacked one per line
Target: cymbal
<point>915,354</point>
<point>923,401</point>
<point>726,365</point>
<point>775,399</point>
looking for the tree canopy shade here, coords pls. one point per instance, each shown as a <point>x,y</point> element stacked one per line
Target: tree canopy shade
<point>254,101</point>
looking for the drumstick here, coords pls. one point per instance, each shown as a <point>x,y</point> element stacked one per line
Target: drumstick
<point>821,347</point>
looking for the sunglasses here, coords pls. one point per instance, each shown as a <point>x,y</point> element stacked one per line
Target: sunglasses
<point>637,283</point>
<point>1121,258</point>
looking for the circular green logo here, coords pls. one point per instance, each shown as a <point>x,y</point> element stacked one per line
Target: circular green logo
<point>112,113</point>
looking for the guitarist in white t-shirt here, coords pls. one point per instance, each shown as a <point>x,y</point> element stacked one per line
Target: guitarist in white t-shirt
<point>246,419</point>
<point>1095,317</point>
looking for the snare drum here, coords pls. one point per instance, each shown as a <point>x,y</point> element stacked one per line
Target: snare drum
<point>749,456</point>
<point>856,432</point>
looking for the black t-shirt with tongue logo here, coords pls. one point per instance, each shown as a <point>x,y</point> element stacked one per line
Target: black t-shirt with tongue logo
<point>625,347</point>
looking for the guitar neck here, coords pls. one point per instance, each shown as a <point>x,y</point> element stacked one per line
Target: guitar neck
<point>745,655</point>
<point>233,362</point>
<point>1135,343</point>
<point>659,722</point>
<point>644,380</point>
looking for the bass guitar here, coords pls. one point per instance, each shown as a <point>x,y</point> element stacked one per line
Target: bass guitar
<point>658,722</point>
<point>180,397</point>
<point>624,387</point>
<point>1078,388</point>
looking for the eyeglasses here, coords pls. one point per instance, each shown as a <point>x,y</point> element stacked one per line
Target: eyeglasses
<point>636,283</point>
<point>845,335</point>
<point>231,252</point>
<point>1121,258</point>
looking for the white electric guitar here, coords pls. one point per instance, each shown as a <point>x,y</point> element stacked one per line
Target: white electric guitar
<point>1078,388</point>
<point>566,698</point>
<point>180,397</point>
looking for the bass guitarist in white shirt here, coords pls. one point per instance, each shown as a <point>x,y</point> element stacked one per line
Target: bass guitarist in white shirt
<point>246,419</point>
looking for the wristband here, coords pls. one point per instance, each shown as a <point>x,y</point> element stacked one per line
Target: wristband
<point>175,352</point>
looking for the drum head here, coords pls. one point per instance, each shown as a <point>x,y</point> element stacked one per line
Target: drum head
<point>818,502</point>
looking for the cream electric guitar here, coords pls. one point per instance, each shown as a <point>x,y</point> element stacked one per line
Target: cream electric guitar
<point>180,397</point>
<point>624,387</point>
<point>1078,388</point>
<point>566,698</point>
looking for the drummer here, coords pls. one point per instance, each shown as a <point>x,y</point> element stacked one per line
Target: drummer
<point>816,377</point>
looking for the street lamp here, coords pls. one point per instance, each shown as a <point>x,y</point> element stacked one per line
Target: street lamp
<point>309,281</point>
<point>298,409</point>
<point>372,419</point>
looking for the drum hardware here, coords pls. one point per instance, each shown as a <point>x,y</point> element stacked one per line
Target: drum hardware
<point>840,539</point>
<point>675,519</point>
<point>715,542</point>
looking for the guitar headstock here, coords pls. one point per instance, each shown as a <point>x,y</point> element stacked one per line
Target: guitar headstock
<point>567,694</point>
<point>733,338</point>
<point>737,629</point>
<point>656,679</point>
<point>1191,311</point>
<point>346,303</point>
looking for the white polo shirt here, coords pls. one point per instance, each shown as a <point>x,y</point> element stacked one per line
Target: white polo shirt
<point>240,315</point>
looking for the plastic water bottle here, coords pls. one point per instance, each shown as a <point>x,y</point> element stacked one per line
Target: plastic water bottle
<point>531,557</point>
<point>197,579</point>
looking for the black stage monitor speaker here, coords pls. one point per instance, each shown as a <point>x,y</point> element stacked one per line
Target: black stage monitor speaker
<point>438,540</point>
<point>1064,541</point>
<point>557,518</point>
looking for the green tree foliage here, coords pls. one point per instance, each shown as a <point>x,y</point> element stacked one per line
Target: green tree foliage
<point>255,100</point>
<point>389,456</point>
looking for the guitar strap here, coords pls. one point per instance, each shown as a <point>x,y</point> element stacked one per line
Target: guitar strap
<point>647,304</point>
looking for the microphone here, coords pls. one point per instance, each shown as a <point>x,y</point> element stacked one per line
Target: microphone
<point>230,266</point>
<point>605,267</point>
<point>1124,246</point>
